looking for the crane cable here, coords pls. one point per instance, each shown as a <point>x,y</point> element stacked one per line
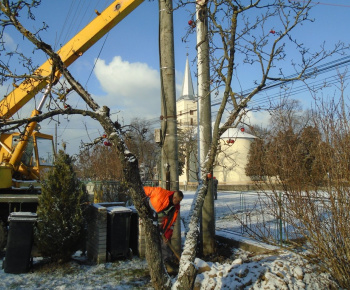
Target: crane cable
<point>83,16</point>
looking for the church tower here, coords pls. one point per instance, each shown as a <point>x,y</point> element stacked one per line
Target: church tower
<point>186,107</point>
<point>187,104</point>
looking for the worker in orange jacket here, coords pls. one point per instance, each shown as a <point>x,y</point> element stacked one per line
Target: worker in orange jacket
<point>166,204</point>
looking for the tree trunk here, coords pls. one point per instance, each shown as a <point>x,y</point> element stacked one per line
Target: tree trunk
<point>205,135</point>
<point>170,163</point>
<point>159,276</point>
<point>187,270</point>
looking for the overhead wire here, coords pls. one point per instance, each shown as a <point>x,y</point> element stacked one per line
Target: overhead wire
<point>268,87</point>
<point>64,24</point>
<point>101,49</point>
<point>98,56</point>
<point>70,18</point>
<point>73,15</point>
<point>339,63</point>
<point>83,16</point>
<point>75,19</point>
<point>322,3</point>
<point>317,84</point>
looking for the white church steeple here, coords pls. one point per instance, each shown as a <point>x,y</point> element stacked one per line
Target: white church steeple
<point>186,105</point>
<point>187,92</point>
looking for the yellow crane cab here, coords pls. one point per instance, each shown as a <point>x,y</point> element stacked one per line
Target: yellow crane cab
<point>37,158</point>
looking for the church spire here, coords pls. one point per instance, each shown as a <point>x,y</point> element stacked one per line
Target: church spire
<point>187,85</point>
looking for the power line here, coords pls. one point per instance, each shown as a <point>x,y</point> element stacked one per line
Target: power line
<point>308,73</point>
<point>322,3</point>
<point>339,63</point>
<point>318,84</point>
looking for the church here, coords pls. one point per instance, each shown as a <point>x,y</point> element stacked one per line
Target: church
<point>234,144</point>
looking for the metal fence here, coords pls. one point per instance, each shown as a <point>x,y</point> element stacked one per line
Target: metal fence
<point>265,216</point>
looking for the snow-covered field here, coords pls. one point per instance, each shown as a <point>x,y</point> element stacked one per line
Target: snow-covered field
<point>271,270</point>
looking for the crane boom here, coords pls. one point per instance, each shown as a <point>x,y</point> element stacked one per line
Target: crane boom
<point>25,156</point>
<point>71,51</point>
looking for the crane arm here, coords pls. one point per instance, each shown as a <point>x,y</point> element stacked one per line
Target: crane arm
<point>71,51</point>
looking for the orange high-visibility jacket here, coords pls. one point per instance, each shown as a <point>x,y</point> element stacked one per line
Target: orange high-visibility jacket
<point>160,200</point>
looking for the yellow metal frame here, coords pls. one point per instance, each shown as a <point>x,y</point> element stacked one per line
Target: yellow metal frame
<point>32,172</point>
<point>72,50</point>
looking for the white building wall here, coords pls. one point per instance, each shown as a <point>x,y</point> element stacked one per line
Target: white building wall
<point>232,160</point>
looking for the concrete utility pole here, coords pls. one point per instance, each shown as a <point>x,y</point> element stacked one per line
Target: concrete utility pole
<point>205,135</point>
<point>170,175</point>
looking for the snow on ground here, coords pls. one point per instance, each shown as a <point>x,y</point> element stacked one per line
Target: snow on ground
<point>128,274</point>
<point>272,270</point>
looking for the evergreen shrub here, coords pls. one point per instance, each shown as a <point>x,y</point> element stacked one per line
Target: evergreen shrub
<point>61,229</point>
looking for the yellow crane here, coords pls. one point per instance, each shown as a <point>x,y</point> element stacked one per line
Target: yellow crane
<point>24,156</point>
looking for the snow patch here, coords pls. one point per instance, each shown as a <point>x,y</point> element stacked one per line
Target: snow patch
<point>282,270</point>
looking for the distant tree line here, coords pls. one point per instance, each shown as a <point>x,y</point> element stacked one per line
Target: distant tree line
<point>293,150</point>
<point>304,161</point>
<point>99,160</point>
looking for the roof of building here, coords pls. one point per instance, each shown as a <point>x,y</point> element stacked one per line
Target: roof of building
<point>237,133</point>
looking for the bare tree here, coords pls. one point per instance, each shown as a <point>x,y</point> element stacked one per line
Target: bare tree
<point>9,18</point>
<point>311,199</point>
<point>98,160</point>
<point>98,163</point>
<point>240,38</point>
<point>310,190</point>
<point>141,141</point>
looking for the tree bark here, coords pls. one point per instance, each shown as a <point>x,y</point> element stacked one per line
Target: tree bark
<point>205,134</point>
<point>170,161</point>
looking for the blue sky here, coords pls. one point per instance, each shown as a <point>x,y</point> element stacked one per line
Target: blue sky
<point>126,75</point>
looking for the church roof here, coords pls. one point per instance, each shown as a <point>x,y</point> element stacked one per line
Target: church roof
<point>187,92</point>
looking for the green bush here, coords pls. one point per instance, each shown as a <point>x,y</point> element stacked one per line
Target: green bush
<point>61,225</point>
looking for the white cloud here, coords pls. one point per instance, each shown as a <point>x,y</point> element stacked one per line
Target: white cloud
<point>9,42</point>
<point>133,88</point>
<point>261,118</point>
